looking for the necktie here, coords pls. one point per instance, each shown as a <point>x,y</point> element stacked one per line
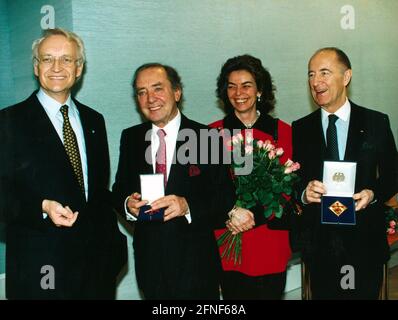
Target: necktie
<point>331,137</point>
<point>161,165</point>
<point>71,147</point>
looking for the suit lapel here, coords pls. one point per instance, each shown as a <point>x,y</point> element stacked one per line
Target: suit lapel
<point>143,146</point>
<point>44,132</point>
<point>46,138</point>
<point>355,134</point>
<point>318,137</point>
<point>176,169</point>
<point>89,131</point>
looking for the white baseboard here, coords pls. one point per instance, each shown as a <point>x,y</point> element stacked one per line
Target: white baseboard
<point>2,286</point>
<point>293,277</point>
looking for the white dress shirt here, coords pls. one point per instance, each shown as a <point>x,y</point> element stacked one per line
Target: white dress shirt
<point>171,130</point>
<point>342,125</point>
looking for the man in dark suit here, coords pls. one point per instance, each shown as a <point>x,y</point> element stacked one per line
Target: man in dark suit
<point>176,257</point>
<point>62,239</point>
<point>344,261</point>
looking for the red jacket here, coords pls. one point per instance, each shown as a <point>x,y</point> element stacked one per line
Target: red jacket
<point>264,251</point>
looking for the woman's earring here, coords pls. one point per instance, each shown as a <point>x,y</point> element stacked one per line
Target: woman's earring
<point>258,98</point>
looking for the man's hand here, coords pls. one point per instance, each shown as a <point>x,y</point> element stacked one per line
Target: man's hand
<point>176,206</point>
<point>314,191</point>
<point>240,220</point>
<point>61,216</point>
<point>363,198</point>
<point>134,203</point>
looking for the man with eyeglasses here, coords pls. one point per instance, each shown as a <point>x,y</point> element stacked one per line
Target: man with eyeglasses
<point>63,241</point>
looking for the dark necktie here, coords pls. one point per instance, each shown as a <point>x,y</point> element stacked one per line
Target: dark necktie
<point>331,137</point>
<point>161,163</point>
<point>71,147</point>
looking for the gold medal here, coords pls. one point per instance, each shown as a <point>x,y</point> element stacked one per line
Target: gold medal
<point>337,208</point>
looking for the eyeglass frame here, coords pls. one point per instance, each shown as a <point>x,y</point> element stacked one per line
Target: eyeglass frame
<point>60,59</point>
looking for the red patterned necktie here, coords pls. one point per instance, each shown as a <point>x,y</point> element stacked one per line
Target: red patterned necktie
<point>161,163</point>
<point>71,147</point>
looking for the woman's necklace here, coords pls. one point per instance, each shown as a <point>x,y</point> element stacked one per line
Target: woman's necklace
<point>251,124</point>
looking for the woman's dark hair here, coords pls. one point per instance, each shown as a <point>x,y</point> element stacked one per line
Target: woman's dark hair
<point>260,74</point>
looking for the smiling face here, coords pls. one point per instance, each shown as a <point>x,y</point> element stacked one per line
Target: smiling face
<point>156,97</point>
<point>242,91</point>
<point>55,78</point>
<point>328,79</point>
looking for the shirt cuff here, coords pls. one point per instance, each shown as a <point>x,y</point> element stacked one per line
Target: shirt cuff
<point>374,201</point>
<point>129,216</point>
<point>188,216</point>
<point>302,198</point>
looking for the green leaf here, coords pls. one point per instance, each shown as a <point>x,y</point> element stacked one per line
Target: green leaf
<point>288,190</point>
<point>278,212</point>
<point>268,212</point>
<point>265,197</point>
<point>287,178</point>
<point>247,196</point>
<point>277,188</point>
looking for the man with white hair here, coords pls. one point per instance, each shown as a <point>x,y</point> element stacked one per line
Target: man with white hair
<point>62,240</point>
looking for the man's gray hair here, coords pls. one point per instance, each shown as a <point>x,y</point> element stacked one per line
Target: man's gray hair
<point>81,56</point>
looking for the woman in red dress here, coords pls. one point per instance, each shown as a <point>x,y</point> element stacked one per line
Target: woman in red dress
<point>246,90</point>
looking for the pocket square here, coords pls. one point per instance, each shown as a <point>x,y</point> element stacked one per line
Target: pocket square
<point>194,170</point>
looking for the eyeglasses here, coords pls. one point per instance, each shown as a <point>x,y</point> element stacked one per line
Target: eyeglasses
<point>65,61</point>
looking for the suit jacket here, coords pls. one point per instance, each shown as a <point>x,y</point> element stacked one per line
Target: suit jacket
<point>175,259</point>
<point>370,143</point>
<point>86,257</point>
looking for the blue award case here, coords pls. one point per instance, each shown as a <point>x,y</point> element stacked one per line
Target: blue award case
<point>337,205</point>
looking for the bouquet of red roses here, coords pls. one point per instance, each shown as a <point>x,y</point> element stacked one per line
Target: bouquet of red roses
<point>269,184</point>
